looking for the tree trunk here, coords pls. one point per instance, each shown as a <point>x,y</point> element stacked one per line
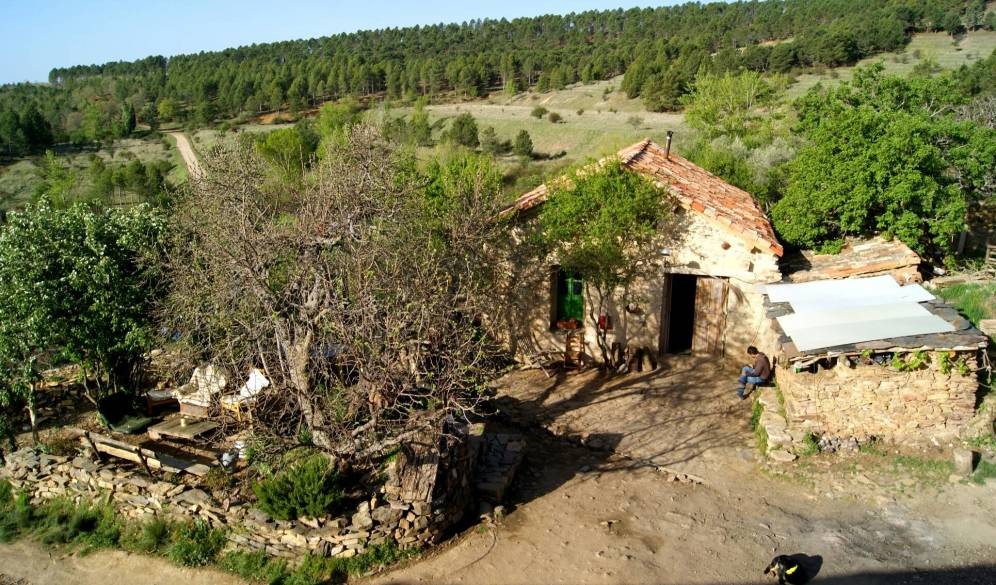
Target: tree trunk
<point>33,415</point>
<point>297,363</point>
<point>601,335</point>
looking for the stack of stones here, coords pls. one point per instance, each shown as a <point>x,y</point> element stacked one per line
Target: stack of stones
<point>501,455</point>
<point>383,517</point>
<point>860,400</point>
<point>774,423</point>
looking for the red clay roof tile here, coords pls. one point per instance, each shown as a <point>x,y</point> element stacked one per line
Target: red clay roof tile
<point>695,188</point>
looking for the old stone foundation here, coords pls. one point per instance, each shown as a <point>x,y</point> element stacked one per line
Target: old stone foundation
<point>917,398</point>
<point>441,477</point>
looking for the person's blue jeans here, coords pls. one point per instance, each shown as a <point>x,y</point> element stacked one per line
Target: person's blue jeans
<point>747,377</point>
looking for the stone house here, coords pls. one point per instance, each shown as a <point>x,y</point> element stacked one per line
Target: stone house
<point>698,296</point>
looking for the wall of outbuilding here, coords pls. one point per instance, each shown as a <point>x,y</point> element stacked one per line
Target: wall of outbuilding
<point>860,399</point>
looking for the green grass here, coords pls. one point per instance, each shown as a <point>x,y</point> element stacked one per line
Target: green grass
<point>86,527</point>
<point>755,424</point>
<point>254,566</point>
<point>19,179</point>
<point>195,544</point>
<point>178,175</point>
<point>591,135</point>
<point>939,47</point>
<point>984,471</point>
<point>17,184</point>
<point>975,301</point>
<point>810,446</point>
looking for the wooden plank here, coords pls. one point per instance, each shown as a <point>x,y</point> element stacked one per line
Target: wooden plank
<point>174,428</point>
<point>145,457</point>
<point>710,315</point>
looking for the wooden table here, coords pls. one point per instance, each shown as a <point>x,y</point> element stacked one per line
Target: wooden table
<point>175,428</point>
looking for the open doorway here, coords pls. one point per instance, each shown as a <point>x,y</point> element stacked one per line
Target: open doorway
<point>693,314</point>
<point>678,320</point>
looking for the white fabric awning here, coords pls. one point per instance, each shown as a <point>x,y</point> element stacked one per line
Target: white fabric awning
<point>827,313</point>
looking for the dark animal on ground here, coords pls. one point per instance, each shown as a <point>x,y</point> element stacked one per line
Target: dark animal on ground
<point>787,570</point>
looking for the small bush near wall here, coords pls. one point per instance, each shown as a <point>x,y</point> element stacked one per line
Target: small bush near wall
<point>195,544</point>
<point>309,488</point>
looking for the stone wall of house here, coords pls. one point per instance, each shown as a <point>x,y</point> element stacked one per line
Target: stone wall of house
<point>385,516</point>
<point>703,249</point>
<point>859,400</point>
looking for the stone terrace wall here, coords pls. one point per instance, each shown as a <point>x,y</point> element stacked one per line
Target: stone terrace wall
<point>862,400</point>
<point>383,517</point>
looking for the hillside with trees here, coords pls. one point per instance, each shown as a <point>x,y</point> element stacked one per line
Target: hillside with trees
<point>660,51</point>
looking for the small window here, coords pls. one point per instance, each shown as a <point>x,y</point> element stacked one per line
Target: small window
<point>569,298</point>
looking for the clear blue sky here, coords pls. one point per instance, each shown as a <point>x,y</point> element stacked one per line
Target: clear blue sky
<point>37,35</point>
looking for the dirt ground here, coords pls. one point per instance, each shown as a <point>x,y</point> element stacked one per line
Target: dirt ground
<point>595,501</point>
<point>26,563</point>
<point>583,515</point>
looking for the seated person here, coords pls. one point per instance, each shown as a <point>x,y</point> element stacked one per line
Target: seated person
<point>756,374</point>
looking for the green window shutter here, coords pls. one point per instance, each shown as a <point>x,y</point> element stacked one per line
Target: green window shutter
<point>570,296</point>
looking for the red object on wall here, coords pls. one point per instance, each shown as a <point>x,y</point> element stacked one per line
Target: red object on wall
<point>605,322</point>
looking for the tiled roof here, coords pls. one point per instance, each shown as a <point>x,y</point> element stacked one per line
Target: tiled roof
<point>859,257</point>
<point>732,209</point>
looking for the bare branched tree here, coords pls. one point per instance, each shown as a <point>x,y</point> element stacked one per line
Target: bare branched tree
<point>358,291</point>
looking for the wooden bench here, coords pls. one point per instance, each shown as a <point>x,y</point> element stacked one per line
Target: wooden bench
<point>147,458</point>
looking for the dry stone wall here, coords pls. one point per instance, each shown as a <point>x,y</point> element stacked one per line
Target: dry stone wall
<point>859,400</point>
<point>381,518</point>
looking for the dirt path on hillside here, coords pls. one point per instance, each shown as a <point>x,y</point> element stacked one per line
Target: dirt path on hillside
<point>187,152</point>
<point>27,563</point>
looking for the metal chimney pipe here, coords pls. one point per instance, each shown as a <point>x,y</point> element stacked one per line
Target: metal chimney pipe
<point>667,149</point>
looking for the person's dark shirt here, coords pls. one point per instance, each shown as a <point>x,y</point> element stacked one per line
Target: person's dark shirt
<point>762,367</point>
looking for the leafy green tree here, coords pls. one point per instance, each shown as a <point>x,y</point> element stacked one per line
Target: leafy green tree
<point>538,112</point>
<point>419,128</point>
<point>884,155</point>
<point>728,103</point>
<point>167,109</point>
<point>602,224</point>
<point>463,131</point>
<point>12,137</point>
<point>289,150</point>
<point>333,118</point>
<point>74,286</point>
<point>150,116</point>
<point>523,145</point>
<point>489,141</point>
<point>126,125</point>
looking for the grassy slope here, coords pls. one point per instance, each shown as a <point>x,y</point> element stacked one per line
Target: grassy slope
<point>18,180</point>
<point>975,301</point>
<point>948,53</point>
<point>604,127</point>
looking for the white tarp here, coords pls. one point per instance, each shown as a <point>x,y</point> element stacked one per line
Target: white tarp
<point>828,313</point>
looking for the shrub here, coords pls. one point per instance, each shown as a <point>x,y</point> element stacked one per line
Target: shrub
<point>554,118</point>
<point>811,445</point>
<point>149,537</point>
<point>580,112</point>
<point>255,566</point>
<point>195,544</point>
<point>523,145</point>
<point>634,121</point>
<point>464,131</point>
<point>60,521</point>
<point>538,112</point>
<point>309,488</point>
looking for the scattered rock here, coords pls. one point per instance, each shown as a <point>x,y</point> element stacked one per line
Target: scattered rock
<point>781,456</point>
<point>964,462</point>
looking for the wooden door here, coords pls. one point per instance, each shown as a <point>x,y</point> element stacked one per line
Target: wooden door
<point>710,316</point>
